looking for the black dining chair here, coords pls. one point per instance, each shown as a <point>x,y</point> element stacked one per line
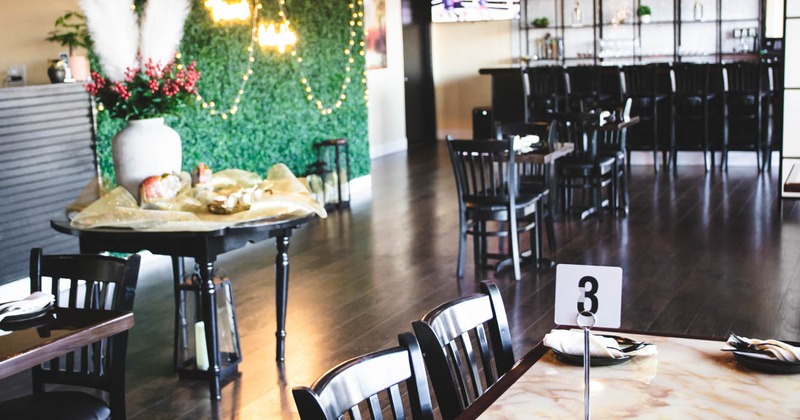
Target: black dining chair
<point>641,87</point>
<point>91,282</point>
<point>490,202</point>
<point>370,385</point>
<point>586,169</point>
<point>612,142</point>
<point>746,98</point>
<point>534,178</point>
<point>458,372</point>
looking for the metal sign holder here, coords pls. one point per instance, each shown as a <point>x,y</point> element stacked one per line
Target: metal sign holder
<point>586,320</point>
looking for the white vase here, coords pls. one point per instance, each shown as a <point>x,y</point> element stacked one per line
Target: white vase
<point>145,148</point>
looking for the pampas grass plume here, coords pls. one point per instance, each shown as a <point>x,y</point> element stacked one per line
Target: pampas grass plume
<point>114,30</point>
<point>162,29</point>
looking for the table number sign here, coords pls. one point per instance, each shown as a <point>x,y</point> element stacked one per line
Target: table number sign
<point>591,288</point>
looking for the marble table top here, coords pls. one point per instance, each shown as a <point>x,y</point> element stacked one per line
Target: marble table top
<point>689,378</point>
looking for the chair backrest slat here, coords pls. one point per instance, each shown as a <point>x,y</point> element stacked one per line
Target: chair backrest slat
<point>473,367</point>
<point>460,373</point>
<point>486,356</point>
<point>396,402</point>
<point>371,380</point>
<point>375,407</point>
<point>441,330</point>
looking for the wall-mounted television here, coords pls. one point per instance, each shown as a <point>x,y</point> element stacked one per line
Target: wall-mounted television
<point>473,10</point>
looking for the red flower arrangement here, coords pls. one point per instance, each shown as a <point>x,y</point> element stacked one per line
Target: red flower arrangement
<point>148,92</point>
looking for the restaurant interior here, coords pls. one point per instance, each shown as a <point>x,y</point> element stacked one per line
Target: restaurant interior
<point>293,209</point>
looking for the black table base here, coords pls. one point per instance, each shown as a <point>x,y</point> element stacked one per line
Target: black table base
<point>203,247</point>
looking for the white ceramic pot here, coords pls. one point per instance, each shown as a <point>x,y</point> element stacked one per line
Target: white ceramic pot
<point>645,18</point>
<point>145,148</point>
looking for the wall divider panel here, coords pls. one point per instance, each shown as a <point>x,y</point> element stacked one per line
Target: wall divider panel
<point>46,158</point>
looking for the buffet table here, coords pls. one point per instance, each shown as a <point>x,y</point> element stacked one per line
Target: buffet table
<point>688,378</point>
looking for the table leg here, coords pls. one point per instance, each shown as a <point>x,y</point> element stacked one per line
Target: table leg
<point>281,291</point>
<point>210,323</point>
<point>181,339</point>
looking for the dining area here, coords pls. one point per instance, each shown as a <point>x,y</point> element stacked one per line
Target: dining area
<point>370,296</point>
<point>293,263</point>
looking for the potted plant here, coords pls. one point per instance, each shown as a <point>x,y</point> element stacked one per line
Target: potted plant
<point>70,31</point>
<point>644,13</point>
<point>541,22</point>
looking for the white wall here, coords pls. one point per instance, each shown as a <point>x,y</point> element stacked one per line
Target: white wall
<point>24,26</point>
<point>791,105</point>
<point>387,106</point>
<point>459,51</point>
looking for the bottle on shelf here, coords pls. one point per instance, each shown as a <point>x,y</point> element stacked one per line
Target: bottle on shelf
<point>698,10</point>
<point>577,18</point>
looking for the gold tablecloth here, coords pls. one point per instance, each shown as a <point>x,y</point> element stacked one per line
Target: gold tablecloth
<point>118,208</point>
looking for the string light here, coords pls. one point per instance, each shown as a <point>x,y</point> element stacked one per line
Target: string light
<point>355,21</point>
<point>233,109</point>
<point>228,9</point>
<point>284,38</point>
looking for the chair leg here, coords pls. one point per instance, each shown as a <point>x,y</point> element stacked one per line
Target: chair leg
<point>551,230</point>
<point>477,239</point>
<point>628,159</point>
<point>673,149</point>
<point>536,235</point>
<point>758,140</point>
<point>655,140</point>
<point>462,248</point>
<point>514,244</point>
<point>597,197</point>
<point>614,189</point>
<point>705,138</point>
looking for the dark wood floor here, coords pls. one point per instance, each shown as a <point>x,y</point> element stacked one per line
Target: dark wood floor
<point>701,254</point>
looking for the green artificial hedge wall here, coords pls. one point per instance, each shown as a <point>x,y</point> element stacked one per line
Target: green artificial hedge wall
<point>275,122</point>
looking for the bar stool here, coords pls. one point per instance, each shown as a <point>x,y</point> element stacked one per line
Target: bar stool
<point>583,89</point>
<point>547,90</point>
<point>745,99</point>
<point>691,103</point>
<point>640,85</point>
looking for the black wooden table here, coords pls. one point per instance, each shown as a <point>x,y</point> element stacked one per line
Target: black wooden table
<point>203,247</point>
<point>60,331</point>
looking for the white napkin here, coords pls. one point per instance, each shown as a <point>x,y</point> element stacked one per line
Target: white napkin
<point>525,144</point>
<point>778,349</point>
<point>571,342</point>
<point>33,303</point>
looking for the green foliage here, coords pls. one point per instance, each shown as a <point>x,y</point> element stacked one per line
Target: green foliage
<point>275,122</point>
<point>643,10</point>
<point>70,31</point>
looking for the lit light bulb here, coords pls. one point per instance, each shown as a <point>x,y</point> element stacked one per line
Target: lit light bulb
<point>228,9</point>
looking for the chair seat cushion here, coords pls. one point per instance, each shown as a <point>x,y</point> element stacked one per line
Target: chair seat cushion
<point>579,166</point>
<point>62,405</point>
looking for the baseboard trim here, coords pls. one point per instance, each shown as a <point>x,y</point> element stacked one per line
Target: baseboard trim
<point>387,148</point>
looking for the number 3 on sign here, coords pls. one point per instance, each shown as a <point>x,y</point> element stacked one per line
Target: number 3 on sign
<point>596,289</point>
